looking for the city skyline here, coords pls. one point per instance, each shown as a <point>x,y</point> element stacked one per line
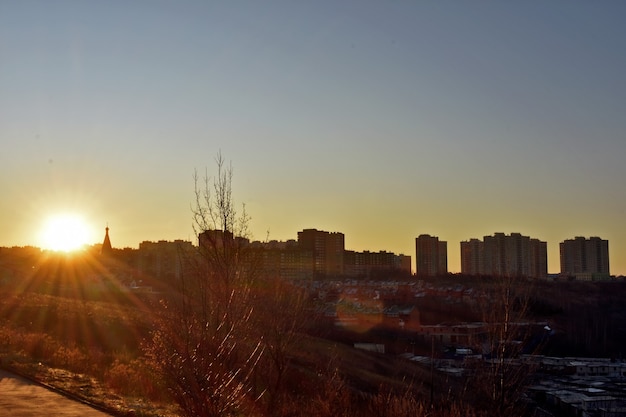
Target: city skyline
<point>432,258</point>
<point>384,121</point>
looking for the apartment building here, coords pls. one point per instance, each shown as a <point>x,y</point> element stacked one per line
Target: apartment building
<point>327,248</point>
<point>368,264</point>
<point>318,253</point>
<point>163,259</point>
<point>511,255</point>
<point>431,256</point>
<point>585,259</point>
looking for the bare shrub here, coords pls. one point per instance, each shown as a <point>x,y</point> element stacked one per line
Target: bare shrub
<point>386,403</point>
<point>334,399</point>
<point>281,314</point>
<point>39,346</point>
<point>496,385</point>
<point>133,379</point>
<point>71,358</point>
<point>204,347</point>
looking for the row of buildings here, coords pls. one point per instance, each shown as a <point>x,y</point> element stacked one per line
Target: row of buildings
<point>315,253</point>
<point>515,255</point>
<point>318,253</point>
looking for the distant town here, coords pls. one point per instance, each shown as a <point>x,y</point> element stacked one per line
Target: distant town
<point>568,335</point>
<point>317,253</point>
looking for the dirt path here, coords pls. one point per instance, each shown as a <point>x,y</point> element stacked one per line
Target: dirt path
<point>22,398</point>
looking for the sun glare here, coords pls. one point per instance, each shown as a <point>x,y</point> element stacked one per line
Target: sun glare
<point>66,232</point>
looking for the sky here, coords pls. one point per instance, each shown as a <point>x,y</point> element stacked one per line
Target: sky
<point>382,120</point>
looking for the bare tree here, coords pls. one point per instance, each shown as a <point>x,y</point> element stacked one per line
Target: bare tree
<point>283,314</point>
<point>498,382</point>
<point>203,345</point>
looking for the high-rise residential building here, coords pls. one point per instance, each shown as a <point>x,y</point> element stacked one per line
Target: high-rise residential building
<point>431,256</point>
<point>511,255</point>
<point>404,263</point>
<point>284,259</point>
<point>442,250</point>
<point>585,259</point>
<point>219,239</point>
<point>538,258</point>
<point>164,259</point>
<point>327,248</point>
<point>471,257</point>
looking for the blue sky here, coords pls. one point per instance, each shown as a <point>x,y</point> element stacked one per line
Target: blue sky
<point>382,120</point>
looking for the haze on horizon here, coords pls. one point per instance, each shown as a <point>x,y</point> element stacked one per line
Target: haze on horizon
<point>380,120</point>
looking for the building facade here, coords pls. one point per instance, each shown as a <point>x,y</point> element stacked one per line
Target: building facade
<point>328,250</point>
<point>284,259</point>
<point>471,257</point>
<point>368,264</point>
<point>164,259</point>
<point>511,255</point>
<point>585,259</point>
<point>431,256</point>
<point>318,253</point>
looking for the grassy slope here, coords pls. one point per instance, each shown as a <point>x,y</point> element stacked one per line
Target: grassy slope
<point>111,326</point>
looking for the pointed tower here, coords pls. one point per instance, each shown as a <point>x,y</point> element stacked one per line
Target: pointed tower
<point>106,245</point>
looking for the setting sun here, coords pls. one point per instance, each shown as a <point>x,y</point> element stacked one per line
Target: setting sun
<point>66,232</point>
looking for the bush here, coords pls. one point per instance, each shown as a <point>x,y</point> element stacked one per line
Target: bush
<point>133,379</point>
<point>70,358</point>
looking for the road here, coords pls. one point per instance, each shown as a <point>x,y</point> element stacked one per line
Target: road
<point>22,398</point>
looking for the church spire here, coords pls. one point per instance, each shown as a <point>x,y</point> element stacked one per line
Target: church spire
<point>106,245</point>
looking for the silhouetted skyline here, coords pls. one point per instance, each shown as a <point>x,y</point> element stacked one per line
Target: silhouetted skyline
<point>382,120</point>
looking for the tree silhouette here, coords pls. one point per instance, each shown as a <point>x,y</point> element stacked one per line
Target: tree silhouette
<point>497,383</point>
<point>204,346</point>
